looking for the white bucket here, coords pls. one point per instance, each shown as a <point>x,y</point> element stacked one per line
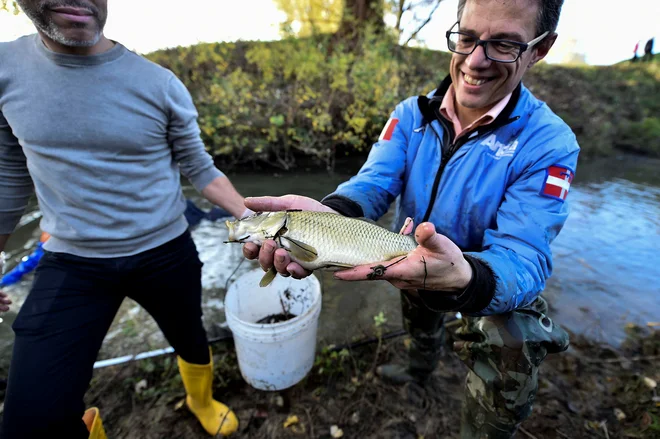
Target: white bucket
<point>274,356</point>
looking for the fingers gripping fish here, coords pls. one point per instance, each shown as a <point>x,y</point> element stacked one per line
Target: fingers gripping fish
<point>322,240</point>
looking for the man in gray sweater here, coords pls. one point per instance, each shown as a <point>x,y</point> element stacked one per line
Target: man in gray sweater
<point>102,136</point>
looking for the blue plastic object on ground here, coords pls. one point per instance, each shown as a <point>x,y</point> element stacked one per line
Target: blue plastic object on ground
<point>27,264</point>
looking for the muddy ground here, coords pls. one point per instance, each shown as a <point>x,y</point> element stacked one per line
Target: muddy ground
<point>590,391</point>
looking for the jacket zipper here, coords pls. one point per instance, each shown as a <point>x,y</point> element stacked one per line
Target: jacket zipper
<point>449,153</point>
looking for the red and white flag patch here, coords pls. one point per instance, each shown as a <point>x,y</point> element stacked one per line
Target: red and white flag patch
<point>557,182</point>
<point>388,130</point>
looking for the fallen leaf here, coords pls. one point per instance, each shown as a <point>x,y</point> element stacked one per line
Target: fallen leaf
<point>619,414</point>
<point>646,420</point>
<point>179,404</point>
<point>140,386</point>
<point>291,420</point>
<point>651,383</point>
<point>336,432</point>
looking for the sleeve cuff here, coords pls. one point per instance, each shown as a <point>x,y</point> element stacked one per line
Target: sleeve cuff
<point>204,178</point>
<point>476,296</point>
<point>345,206</point>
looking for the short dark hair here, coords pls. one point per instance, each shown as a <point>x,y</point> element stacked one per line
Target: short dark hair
<point>546,21</point>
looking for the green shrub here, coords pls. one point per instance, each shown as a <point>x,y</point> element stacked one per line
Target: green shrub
<point>275,102</point>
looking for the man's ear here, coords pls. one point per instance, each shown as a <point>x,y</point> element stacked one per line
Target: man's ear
<point>542,49</point>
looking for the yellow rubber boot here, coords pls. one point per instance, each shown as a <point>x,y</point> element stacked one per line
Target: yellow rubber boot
<point>92,419</point>
<point>215,417</point>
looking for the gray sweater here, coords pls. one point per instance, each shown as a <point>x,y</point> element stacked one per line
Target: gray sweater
<point>106,138</point>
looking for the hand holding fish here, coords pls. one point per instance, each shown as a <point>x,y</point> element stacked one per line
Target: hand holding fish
<point>269,255</point>
<point>437,264</point>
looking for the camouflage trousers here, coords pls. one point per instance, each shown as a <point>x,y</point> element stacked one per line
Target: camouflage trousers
<point>503,353</point>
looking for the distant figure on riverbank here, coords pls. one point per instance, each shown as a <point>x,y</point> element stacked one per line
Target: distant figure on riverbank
<point>648,50</point>
<point>635,58</point>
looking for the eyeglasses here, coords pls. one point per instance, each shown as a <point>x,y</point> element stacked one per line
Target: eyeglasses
<point>504,51</point>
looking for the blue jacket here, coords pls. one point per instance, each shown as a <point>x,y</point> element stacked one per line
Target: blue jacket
<point>499,193</point>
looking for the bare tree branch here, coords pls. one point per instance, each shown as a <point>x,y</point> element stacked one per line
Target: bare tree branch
<point>424,23</point>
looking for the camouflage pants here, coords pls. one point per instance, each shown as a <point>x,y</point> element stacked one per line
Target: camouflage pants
<point>503,352</point>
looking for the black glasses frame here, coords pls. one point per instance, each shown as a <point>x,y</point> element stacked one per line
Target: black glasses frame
<point>479,42</point>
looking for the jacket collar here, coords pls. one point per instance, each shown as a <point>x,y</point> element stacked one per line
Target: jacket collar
<point>432,113</point>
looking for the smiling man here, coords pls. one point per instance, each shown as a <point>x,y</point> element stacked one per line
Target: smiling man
<point>102,136</point>
<point>484,168</point>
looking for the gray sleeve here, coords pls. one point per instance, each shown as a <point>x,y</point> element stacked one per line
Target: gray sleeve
<point>184,136</point>
<point>16,186</point>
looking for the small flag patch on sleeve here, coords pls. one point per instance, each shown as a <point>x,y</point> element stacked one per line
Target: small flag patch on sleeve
<point>557,182</point>
<point>388,129</point>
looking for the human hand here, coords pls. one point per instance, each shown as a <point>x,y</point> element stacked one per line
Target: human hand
<point>4,299</point>
<point>269,255</point>
<point>437,264</point>
<point>4,302</point>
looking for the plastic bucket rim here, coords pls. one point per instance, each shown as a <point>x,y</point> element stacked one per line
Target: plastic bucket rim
<point>282,326</point>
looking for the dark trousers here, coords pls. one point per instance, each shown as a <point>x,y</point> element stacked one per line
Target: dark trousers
<point>60,328</point>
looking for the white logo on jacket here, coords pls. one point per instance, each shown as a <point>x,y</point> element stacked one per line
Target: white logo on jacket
<point>500,149</point>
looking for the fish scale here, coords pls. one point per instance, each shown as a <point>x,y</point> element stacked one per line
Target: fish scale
<point>345,241</point>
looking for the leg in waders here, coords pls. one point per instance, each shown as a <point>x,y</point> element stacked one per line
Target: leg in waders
<point>426,330</point>
<point>504,353</point>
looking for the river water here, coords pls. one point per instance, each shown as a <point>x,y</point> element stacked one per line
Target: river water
<point>606,270</point>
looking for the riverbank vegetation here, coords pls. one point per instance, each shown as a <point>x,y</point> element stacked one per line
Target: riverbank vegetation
<point>277,103</point>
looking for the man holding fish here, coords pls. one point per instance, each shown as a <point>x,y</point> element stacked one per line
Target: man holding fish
<point>484,169</point>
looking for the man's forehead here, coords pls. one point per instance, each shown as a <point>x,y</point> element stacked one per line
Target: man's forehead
<point>501,18</point>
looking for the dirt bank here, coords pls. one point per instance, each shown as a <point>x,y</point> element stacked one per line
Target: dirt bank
<point>591,391</point>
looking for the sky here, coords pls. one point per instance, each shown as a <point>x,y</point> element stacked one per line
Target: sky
<point>606,32</point>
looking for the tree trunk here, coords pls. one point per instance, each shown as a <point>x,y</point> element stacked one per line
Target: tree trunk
<point>357,17</point>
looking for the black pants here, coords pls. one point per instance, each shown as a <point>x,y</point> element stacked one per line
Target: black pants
<point>60,328</point>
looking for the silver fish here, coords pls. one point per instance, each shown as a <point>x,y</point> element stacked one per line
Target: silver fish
<point>321,240</point>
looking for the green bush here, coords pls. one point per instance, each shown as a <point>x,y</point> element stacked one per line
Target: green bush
<point>643,136</point>
<point>275,102</point>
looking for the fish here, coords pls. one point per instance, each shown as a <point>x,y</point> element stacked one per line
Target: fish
<point>321,240</point>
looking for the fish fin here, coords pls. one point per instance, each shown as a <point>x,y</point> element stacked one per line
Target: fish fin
<point>335,266</point>
<point>268,277</point>
<point>301,251</point>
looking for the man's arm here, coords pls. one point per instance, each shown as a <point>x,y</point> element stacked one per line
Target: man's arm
<point>15,189</point>
<point>517,251</point>
<point>4,300</point>
<point>380,180</point>
<point>516,260</point>
<point>189,152</point>
<point>15,182</point>
<point>222,193</point>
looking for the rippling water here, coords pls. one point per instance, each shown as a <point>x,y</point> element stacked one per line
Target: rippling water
<point>606,270</point>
